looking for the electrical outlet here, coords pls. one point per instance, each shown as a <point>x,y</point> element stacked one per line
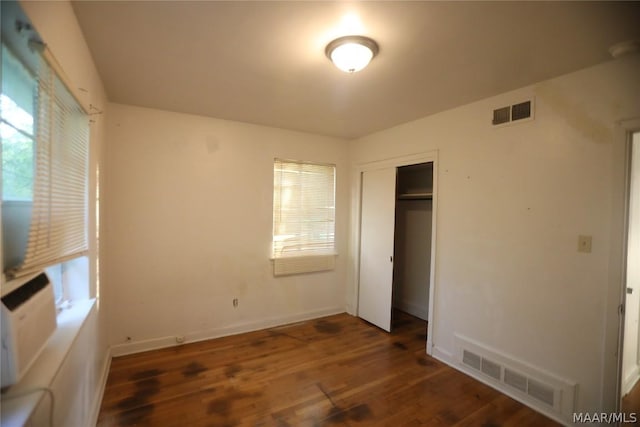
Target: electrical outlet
<point>584,244</point>
<point>235,303</point>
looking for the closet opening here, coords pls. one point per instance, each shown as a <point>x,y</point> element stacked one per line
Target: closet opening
<point>412,243</point>
<point>397,243</point>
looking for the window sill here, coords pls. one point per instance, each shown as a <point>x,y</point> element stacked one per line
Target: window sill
<point>17,411</point>
<point>303,264</point>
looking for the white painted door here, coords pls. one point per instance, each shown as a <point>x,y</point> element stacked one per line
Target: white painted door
<point>376,246</point>
<point>630,358</point>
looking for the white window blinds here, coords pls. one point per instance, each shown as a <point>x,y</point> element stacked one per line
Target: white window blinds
<point>58,230</point>
<point>303,208</point>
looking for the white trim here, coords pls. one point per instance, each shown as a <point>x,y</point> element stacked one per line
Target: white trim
<point>442,354</point>
<point>406,160</point>
<point>631,380</point>
<point>97,399</point>
<point>240,328</point>
<point>618,257</point>
<point>414,309</point>
<point>395,162</point>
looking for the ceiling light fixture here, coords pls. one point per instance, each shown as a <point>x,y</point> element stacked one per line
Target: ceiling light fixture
<point>351,53</point>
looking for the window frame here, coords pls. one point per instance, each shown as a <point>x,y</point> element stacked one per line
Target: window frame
<point>303,214</point>
<point>68,272</point>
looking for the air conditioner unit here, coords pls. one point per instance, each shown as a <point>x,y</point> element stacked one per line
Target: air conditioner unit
<point>28,320</point>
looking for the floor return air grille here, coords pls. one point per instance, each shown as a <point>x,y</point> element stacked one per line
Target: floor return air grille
<point>528,384</point>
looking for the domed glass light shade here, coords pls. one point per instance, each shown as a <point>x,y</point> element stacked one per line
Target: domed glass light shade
<point>351,53</point>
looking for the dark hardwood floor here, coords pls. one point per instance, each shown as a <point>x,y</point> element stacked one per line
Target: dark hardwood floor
<point>631,402</point>
<point>335,371</point>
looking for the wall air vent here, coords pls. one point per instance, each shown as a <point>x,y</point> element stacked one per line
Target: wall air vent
<point>513,113</point>
<point>541,392</point>
<point>516,378</point>
<point>492,369</point>
<point>471,359</point>
<point>501,115</point>
<point>535,389</point>
<point>521,111</point>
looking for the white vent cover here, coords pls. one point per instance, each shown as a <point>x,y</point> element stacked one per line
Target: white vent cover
<point>471,359</point>
<point>539,388</point>
<point>513,113</point>
<point>542,392</point>
<point>515,380</point>
<point>492,369</point>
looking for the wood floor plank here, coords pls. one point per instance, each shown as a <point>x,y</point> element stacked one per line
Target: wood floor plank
<point>631,403</point>
<point>335,371</point>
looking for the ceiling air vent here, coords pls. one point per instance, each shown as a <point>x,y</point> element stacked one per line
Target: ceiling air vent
<point>512,113</point>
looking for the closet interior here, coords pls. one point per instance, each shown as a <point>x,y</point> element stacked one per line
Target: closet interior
<point>412,239</point>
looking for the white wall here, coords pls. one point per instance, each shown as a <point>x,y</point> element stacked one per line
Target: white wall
<point>57,25</point>
<point>512,202</point>
<point>189,225</point>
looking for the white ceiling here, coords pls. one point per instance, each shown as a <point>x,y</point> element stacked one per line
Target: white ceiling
<point>263,62</point>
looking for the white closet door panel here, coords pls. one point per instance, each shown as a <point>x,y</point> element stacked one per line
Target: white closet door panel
<point>376,246</point>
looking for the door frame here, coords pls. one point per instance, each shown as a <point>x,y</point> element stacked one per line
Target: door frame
<point>396,162</point>
<point>626,129</point>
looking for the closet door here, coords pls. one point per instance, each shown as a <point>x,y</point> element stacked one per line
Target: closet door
<point>376,246</point>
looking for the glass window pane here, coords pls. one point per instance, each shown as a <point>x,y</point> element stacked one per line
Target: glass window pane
<point>17,164</point>
<point>304,208</point>
<point>18,93</point>
<point>16,116</point>
<point>17,102</point>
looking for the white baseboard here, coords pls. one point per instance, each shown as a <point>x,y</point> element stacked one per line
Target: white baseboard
<point>442,355</point>
<point>447,358</point>
<point>170,341</point>
<point>630,380</point>
<point>97,398</point>
<point>413,309</point>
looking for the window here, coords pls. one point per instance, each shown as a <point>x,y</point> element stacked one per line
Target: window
<point>17,102</point>
<point>17,134</point>
<point>44,135</point>
<point>303,210</point>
